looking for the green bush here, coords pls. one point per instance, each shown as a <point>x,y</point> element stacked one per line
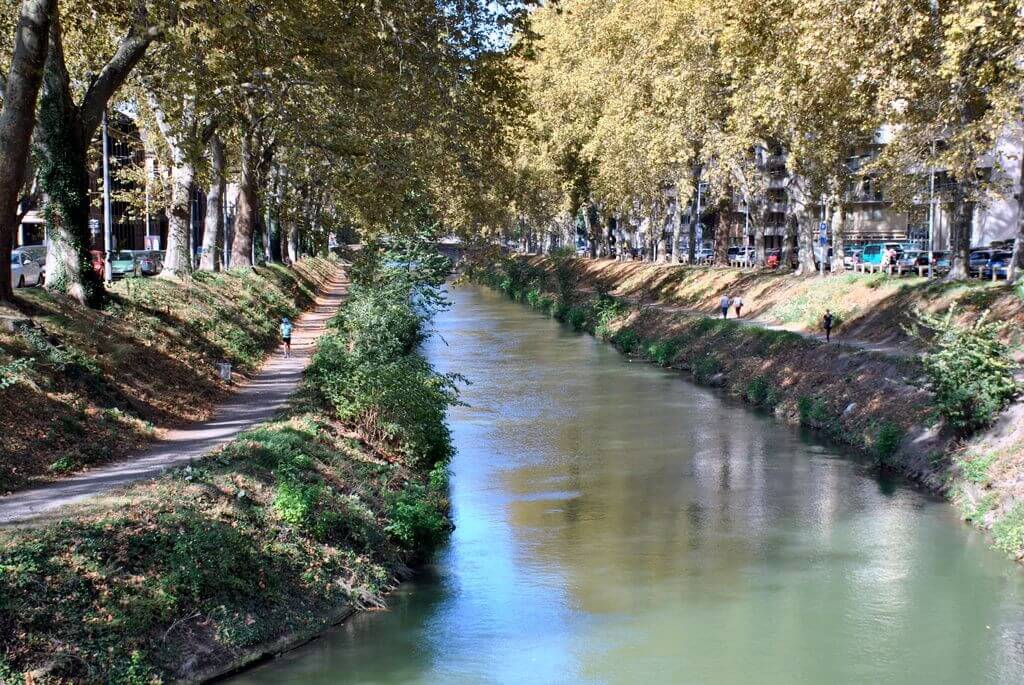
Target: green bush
<point>761,392</point>
<point>969,370</point>
<point>976,468</point>
<point>887,441</point>
<point>813,411</point>
<point>663,352</point>
<point>627,340</point>
<point>605,310</point>
<point>578,317</point>
<point>705,367</point>
<point>367,369</point>
<point>1009,532</point>
<point>417,518</point>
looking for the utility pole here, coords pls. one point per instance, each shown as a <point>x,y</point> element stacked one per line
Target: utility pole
<point>107,225</point>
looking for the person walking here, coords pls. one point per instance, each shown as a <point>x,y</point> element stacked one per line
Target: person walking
<point>737,304</point>
<point>826,323</point>
<point>286,336</point>
<point>724,304</point>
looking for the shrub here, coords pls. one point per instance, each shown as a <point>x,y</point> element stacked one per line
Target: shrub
<point>663,352</point>
<point>627,340</point>
<point>417,520</point>
<point>887,441</point>
<point>976,468</point>
<point>368,371</point>
<point>605,311</point>
<point>813,412</point>
<point>969,370</point>
<point>705,367</point>
<point>295,502</point>
<point>1009,532</point>
<point>761,392</point>
<point>578,317</point>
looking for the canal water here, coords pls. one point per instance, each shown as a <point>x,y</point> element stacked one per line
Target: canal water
<point>618,524</point>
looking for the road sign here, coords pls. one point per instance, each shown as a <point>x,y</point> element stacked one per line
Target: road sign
<point>823,233</point>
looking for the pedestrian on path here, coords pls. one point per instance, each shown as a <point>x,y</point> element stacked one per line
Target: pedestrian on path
<point>737,304</point>
<point>826,322</point>
<point>724,304</point>
<point>286,336</point>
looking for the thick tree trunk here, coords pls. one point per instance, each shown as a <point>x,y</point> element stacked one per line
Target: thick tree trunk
<point>761,216</point>
<point>677,226</point>
<point>178,262</point>
<point>960,238</point>
<point>64,176</point>
<point>213,236</point>
<point>66,131</point>
<point>789,242</point>
<point>838,237</point>
<point>248,209</point>
<point>588,226</point>
<point>17,120</point>
<point>1015,269</point>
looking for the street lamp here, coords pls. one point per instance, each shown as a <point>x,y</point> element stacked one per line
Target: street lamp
<point>108,275</point>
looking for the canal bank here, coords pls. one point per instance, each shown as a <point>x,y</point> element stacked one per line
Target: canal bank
<point>616,523</point>
<point>260,546</point>
<point>877,403</point>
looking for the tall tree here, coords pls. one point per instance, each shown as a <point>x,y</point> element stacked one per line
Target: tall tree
<point>17,119</point>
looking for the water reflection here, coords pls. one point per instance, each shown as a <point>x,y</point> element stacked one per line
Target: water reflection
<point>618,525</point>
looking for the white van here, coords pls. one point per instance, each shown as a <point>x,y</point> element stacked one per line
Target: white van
<point>25,271</point>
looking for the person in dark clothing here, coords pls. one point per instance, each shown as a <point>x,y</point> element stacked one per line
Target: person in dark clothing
<point>826,322</point>
<point>723,304</point>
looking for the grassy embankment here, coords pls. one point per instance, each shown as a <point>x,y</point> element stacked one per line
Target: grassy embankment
<point>81,386</point>
<point>283,532</point>
<point>882,404</point>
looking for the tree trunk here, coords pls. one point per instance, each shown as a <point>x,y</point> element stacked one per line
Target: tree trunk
<point>178,262</point>
<point>677,225</point>
<point>1015,269</point>
<point>691,255</point>
<point>960,238</point>
<point>248,208</point>
<point>588,226</point>
<point>66,130</point>
<point>804,225</point>
<point>64,176</point>
<point>759,228</point>
<point>838,237</point>
<point>792,228</point>
<point>17,120</point>
<point>213,238</point>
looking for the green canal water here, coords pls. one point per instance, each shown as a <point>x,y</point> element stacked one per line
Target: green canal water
<point>618,524</point>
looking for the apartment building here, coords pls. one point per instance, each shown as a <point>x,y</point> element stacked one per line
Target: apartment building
<point>870,215</point>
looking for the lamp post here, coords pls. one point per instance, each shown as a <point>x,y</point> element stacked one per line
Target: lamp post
<point>108,275</point>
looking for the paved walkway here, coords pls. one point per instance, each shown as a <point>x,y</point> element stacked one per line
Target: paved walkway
<point>257,401</point>
<point>861,345</point>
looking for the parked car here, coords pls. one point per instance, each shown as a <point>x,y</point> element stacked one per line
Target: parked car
<point>123,263</point>
<point>977,260</point>
<point>912,258</point>
<point>873,253</point>
<point>705,255</point>
<point>940,260</point>
<point>25,271</point>
<point>150,263</point>
<point>740,253</point>
<point>999,263</point>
